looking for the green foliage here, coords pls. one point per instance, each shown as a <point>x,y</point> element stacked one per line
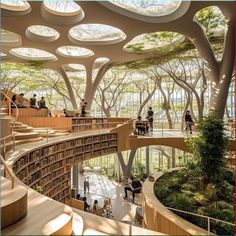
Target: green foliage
<point>165,106</point>
<point>210,18</point>
<point>182,190</point>
<point>209,147</point>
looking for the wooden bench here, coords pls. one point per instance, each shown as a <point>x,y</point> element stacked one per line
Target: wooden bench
<point>30,112</point>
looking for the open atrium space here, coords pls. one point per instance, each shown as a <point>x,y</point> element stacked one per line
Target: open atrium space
<point>117,117</point>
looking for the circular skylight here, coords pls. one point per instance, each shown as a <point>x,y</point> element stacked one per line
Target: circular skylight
<point>149,7</point>
<point>101,60</point>
<point>42,33</point>
<point>96,34</point>
<point>64,7</point>
<point>72,51</point>
<point>32,54</point>
<point>154,42</point>
<point>8,38</point>
<point>15,5</point>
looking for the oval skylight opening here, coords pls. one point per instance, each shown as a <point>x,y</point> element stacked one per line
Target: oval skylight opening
<point>149,8</point>
<point>42,33</point>
<point>74,67</point>
<point>8,38</point>
<point>96,34</point>
<point>151,42</point>
<point>32,54</point>
<point>2,54</point>
<point>100,61</point>
<point>15,5</point>
<point>62,7</point>
<point>73,51</point>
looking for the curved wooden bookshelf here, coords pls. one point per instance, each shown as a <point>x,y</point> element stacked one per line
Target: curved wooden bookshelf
<point>48,167</point>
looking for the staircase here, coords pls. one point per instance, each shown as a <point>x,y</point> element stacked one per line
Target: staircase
<point>12,201</point>
<point>24,133</point>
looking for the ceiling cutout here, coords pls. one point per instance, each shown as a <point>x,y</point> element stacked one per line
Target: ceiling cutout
<point>62,7</point>
<point>75,52</point>
<point>155,42</point>
<point>9,39</point>
<point>15,5</point>
<point>41,33</point>
<point>149,8</point>
<point>32,54</point>
<point>96,34</point>
<point>100,61</point>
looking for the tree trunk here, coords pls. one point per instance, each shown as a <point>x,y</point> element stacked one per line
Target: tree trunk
<point>126,169</point>
<point>168,116</point>
<point>91,86</point>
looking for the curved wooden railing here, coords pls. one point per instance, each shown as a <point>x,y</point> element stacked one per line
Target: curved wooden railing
<point>208,218</point>
<point>7,169</point>
<point>9,109</point>
<point>161,218</point>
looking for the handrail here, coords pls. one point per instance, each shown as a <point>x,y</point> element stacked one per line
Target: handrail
<point>13,136</point>
<point>206,217</point>
<point>6,168</point>
<point>9,109</point>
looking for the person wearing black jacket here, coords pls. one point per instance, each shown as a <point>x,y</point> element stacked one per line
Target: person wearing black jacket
<point>135,187</point>
<point>188,122</point>
<point>150,118</point>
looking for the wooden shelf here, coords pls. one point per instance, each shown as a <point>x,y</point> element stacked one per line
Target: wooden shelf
<point>50,166</point>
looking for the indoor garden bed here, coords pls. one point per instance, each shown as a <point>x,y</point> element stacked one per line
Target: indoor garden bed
<point>184,190</point>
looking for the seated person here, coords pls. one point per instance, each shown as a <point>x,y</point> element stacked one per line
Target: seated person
<point>140,126</point>
<point>86,205</point>
<point>83,109</point>
<point>20,101</point>
<point>65,113</point>
<point>107,207</point>
<point>78,197</point>
<point>13,101</point>
<point>135,187</point>
<point>42,103</point>
<point>96,205</point>
<point>33,102</point>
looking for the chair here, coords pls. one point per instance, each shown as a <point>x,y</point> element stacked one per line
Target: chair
<point>57,113</point>
<point>99,212</point>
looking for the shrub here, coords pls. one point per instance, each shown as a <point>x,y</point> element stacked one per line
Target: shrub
<point>224,191</point>
<point>209,147</point>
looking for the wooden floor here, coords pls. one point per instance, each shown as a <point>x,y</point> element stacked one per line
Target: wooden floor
<point>45,216</point>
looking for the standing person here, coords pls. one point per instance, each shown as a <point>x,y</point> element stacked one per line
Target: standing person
<point>33,102</point>
<point>86,184</point>
<point>135,187</point>
<point>150,118</point>
<point>188,122</point>
<point>82,103</point>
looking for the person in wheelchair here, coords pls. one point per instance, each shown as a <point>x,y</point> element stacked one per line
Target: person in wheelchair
<point>140,126</point>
